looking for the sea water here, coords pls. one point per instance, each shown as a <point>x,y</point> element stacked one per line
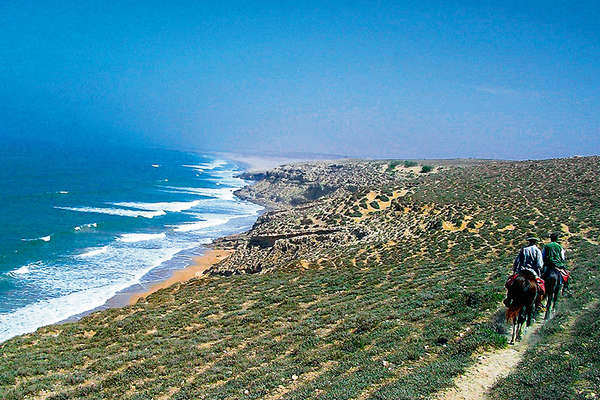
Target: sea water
<point>79,225</point>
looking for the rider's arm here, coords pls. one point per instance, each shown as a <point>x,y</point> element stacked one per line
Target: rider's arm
<point>516,263</point>
<point>540,260</point>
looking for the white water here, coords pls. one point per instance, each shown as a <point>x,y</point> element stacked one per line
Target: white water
<point>115,211</point>
<point>174,206</point>
<point>140,237</point>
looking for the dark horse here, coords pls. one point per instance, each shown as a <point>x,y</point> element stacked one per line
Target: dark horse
<point>553,280</point>
<point>523,293</point>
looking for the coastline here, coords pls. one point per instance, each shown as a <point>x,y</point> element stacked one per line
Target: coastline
<point>204,258</point>
<point>188,264</point>
<point>195,270</point>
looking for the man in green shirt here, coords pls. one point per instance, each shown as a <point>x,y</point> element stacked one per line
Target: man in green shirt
<point>554,256</point>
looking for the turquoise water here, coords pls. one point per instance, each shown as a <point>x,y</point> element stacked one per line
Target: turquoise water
<point>78,225</point>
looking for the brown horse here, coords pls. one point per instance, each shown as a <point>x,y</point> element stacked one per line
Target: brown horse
<point>523,293</point>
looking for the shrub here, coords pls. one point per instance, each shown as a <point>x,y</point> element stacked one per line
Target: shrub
<point>392,165</point>
<point>408,164</point>
<point>426,168</point>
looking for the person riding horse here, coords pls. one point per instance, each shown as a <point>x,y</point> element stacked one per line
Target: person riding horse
<point>529,258</point>
<point>554,257</point>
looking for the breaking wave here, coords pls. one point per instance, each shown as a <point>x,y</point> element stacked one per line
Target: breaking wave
<point>116,211</point>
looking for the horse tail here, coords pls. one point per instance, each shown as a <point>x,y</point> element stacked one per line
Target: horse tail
<point>512,313</point>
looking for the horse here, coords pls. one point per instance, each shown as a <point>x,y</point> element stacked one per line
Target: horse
<point>553,286</point>
<point>523,293</point>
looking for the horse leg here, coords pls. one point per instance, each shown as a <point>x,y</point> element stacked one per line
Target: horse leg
<point>548,305</point>
<point>520,320</point>
<point>512,340</point>
<point>556,297</point>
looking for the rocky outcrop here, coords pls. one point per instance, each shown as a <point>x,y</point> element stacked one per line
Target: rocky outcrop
<point>307,213</point>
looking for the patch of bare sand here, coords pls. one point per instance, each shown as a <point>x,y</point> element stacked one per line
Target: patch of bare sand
<point>509,227</point>
<point>195,270</point>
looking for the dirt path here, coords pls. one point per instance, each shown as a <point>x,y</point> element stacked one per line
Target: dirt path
<point>490,367</point>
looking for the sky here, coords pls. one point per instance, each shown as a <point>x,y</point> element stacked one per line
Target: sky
<point>398,79</point>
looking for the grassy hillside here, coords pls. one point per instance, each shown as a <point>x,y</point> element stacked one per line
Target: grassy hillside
<point>355,300</point>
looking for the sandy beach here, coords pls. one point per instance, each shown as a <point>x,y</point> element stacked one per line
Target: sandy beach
<point>196,270</point>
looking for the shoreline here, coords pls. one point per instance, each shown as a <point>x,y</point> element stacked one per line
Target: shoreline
<point>187,264</point>
<point>195,270</point>
<point>133,293</point>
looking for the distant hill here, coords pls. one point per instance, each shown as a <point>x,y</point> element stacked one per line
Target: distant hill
<point>364,280</point>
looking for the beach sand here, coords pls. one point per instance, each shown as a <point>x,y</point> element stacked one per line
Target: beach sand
<point>195,270</point>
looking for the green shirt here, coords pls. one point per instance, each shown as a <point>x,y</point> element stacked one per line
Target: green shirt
<point>553,255</point>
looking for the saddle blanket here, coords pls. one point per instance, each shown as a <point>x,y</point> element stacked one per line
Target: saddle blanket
<point>541,286</point>
<point>510,280</point>
<point>540,283</point>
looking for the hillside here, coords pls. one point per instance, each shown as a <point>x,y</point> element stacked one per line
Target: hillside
<point>364,280</point>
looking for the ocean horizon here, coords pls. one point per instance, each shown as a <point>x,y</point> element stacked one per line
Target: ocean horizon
<point>81,225</point>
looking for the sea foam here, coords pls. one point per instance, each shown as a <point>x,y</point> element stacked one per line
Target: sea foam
<point>174,206</point>
<point>116,211</point>
<point>216,193</point>
<point>85,227</point>
<point>50,311</point>
<point>207,221</point>
<point>140,237</point>
<point>43,239</point>
<point>91,252</point>
<point>208,166</point>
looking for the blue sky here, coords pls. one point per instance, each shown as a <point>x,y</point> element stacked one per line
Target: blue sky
<point>375,79</point>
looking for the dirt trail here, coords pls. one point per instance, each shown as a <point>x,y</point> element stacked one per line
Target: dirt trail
<point>490,367</point>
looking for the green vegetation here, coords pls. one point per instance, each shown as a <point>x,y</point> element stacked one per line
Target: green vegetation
<point>331,328</point>
<point>565,360</point>
<point>426,168</point>
<point>394,305</point>
<point>407,164</point>
<point>392,165</point>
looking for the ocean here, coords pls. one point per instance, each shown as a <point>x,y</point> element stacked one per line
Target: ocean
<point>80,225</point>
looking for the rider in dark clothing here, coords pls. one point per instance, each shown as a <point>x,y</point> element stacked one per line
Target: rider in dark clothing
<point>554,256</point>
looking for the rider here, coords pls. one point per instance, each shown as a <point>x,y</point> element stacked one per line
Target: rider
<point>530,258</point>
<point>554,256</point>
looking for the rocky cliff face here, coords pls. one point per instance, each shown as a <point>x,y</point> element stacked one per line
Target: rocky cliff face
<point>309,212</point>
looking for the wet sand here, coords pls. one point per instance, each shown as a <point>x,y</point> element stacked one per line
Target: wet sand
<point>196,270</point>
